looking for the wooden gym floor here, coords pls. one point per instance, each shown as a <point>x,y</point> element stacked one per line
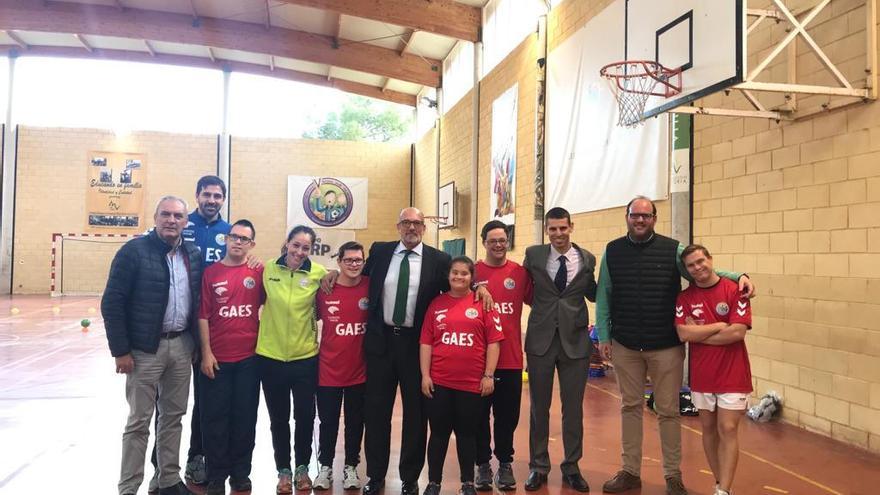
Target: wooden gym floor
<point>62,412</point>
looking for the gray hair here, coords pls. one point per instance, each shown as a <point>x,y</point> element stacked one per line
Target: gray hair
<point>171,198</point>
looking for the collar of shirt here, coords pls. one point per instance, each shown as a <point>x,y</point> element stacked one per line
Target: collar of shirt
<point>570,255</point>
<point>196,218</point>
<point>305,267</point>
<point>417,250</point>
<point>630,239</point>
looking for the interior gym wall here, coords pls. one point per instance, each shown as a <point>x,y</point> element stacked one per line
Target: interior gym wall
<point>425,181</point>
<point>792,204</point>
<point>795,205</point>
<point>259,183</point>
<point>50,193</point>
<point>456,151</point>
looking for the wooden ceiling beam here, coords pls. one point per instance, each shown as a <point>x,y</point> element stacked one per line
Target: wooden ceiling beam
<point>445,17</point>
<point>202,62</point>
<point>83,42</point>
<point>407,39</point>
<point>17,39</point>
<point>100,20</point>
<point>149,48</point>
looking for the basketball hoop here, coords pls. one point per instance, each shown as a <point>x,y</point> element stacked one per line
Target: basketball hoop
<point>435,219</point>
<point>633,81</point>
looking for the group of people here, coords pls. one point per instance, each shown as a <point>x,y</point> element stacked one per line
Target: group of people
<point>188,299</point>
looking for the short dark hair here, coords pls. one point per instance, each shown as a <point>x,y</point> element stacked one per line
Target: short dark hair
<point>304,229</point>
<point>210,180</point>
<point>244,222</point>
<point>463,259</point>
<point>492,225</point>
<point>649,200</point>
<point>350,246</point>
<point>557,213</point>
<point>693,248</point>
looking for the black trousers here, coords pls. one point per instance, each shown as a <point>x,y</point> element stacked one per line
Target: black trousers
<point>195,435</point>
<point>452,410</point>
<point>398,365</point>
<point>281,379</point>
<point>229,415</point>
<point>330,404</point>
<point>504,407</point>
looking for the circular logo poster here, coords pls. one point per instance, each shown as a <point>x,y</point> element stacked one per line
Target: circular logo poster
<point>327,202</point>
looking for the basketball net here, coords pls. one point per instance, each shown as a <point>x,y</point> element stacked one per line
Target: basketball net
<point>633,81</point>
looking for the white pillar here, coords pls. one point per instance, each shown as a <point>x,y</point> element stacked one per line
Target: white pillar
<point>223,165</point>
<point>7,207</point>
<point>475,153</point>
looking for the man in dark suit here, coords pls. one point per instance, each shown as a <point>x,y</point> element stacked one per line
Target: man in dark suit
<point>557,340</point>
<point>405,276</point>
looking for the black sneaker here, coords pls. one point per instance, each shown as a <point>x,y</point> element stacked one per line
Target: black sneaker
<point>483,478</point>
<point>467,488</point>
<point>240,485</point>
<point>432,489</point>
<point>504,479</point>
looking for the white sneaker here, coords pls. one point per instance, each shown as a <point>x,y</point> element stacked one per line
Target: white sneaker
<point>719,491</point>
<point>350,480</point>
<point>324,478</point>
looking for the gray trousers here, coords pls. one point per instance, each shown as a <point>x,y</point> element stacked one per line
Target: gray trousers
<point>165,375</point>
<point>572,383</point>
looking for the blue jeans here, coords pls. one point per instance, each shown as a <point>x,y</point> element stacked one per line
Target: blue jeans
<point>229,418</point>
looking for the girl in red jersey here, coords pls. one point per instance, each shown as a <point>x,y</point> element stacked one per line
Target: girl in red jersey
<point>458,354</point>
<point>341,366</point>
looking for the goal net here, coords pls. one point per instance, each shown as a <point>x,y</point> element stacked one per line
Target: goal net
<point>81,262</point>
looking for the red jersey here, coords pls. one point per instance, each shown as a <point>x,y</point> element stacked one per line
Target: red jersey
<point>459,331</point>
<point>344,315</point>
<point>717,369</point>
<point>510,286</point>
<point>231,299</point>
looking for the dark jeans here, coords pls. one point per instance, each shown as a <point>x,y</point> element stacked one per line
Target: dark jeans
<point>281,379</point>
<point>229,415</point>
<point>195,433</point>
<point>504,406</point>
<point>399,364</point>
<point>330,403</point>
<point>452,410</point>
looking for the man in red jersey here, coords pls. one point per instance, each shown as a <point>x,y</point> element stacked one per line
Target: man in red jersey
<point>342,367</point>
<point>713,315</point>
<point>510,286</point>
<point>229,321</point>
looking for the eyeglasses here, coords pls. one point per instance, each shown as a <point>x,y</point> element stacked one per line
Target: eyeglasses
<point>641,216</point>
<point>411,223</point>
<point>239,238</point>
<point>496,242</point>
<point>353,261</point>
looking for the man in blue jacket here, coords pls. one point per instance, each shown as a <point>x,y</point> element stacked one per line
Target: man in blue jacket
<point>150,307</point>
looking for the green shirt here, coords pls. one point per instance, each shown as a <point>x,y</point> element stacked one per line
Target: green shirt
<point>603,292</point>
<point>288,330</point>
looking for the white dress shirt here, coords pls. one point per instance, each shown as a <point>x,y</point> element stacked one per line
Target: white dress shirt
<point>572,263</point>
<point>389,291</point>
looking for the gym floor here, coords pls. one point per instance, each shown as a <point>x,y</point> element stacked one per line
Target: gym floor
<point>62,412</point>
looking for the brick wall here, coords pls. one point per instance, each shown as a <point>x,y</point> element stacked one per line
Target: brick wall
<point>456,151</point>
<point>51,162</point>
<point>258,184</point>
<point>794,204</point>
<point>425,181</point>
<point>51,188</point>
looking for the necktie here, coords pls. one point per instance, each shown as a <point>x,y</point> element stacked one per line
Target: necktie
<point>402,290</point>
<point>561,279</point>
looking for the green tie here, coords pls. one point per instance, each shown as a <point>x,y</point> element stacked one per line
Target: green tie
<point>402,290</point>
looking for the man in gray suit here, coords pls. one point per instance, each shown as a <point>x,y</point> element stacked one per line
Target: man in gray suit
<point>557,340</point>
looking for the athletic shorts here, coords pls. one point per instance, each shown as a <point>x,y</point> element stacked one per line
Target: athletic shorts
<point>730,401</point>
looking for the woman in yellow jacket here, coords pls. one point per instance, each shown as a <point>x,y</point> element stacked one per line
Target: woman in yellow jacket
<point>288,350</point>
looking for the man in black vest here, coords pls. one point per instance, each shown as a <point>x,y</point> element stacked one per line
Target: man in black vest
<point>636,319</point>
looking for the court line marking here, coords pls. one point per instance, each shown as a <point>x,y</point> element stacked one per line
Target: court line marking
<point>745,452</point>
<point>774,489</point>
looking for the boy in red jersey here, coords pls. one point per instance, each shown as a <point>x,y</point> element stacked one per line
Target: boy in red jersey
<point>341,366</point>
<point>229,384</point>
<point>510,286</point>
<point>713,315</point>
<point>458,353</point>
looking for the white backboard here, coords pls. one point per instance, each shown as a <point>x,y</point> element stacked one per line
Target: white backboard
<point>446,206</point>
<point>705,38</point>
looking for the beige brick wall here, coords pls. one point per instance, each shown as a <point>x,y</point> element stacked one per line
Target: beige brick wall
<point>258,184</point>
<point>456,152</point>
<point>425,181</point>
<point>51,195</point>
<point>794,204</point>
<point>50,190</point>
